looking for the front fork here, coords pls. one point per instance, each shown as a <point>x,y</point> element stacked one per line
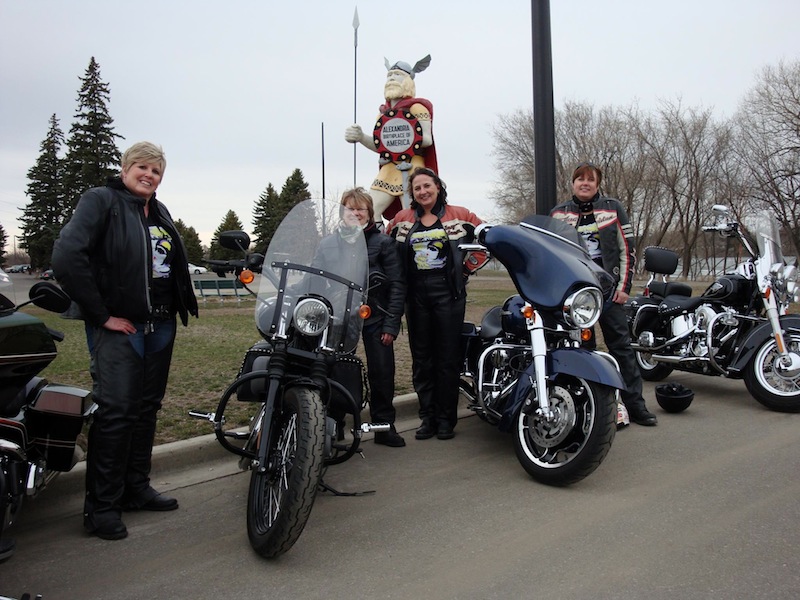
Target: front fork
<point>539,353</point>
<point>787,361</point>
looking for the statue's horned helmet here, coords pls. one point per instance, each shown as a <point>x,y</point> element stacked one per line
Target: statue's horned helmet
<point>421,65</point>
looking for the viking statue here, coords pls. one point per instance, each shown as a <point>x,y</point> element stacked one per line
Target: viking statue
<point>402,137</point>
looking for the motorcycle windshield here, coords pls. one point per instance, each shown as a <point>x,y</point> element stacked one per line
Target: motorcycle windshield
<point>768,234</point>
<point>315,252</point>
<point>546,260</point>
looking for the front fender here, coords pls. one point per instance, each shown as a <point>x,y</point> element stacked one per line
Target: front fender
<point>586,364</point>
<point>573,361</point>
<point>757,337</point>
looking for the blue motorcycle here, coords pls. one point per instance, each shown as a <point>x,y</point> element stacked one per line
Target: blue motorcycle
<point>524,369</point>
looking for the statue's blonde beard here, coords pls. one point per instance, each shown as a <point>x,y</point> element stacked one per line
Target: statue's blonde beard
<point>395,91</point>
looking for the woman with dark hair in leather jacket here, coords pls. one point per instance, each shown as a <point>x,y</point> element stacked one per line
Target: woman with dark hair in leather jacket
<point>122,261</point>
<point>436,273</point>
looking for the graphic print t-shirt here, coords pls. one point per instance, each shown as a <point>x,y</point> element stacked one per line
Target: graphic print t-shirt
<point>588,230</point>
<point>163,251</point>
<point>429,247</point>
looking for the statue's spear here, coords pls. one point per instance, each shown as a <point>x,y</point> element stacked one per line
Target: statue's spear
<point>355,83</point>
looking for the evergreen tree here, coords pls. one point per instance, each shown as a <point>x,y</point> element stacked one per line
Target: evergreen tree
<point>3,239</point>
<point>229,223</point>
<point>267,215</point>
<point>294,191</point>
<point>194,248</point>
<point>92,153</point>
<point>46,212</point>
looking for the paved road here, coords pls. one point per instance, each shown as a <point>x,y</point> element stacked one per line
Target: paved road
<point>703,506</point>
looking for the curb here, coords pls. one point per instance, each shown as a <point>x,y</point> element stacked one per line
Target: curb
<point>204,452</point>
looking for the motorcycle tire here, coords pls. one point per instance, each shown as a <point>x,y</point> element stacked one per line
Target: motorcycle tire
<point>651,370</point>
<point>7,509</point>
<point>281,497</point>
<point>572,446</point>
<point>774,390</point>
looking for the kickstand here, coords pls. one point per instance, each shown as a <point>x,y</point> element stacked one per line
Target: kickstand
<point>326,488</point>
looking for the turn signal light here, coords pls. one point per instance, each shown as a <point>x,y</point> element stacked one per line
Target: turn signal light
<point>364,311</point>
<point>527,311</point>
<point>586,335</point>
<point>247,276</point>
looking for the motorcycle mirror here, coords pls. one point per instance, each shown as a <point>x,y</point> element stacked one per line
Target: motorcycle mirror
<point>49,297</point>
<point>720,210</point>
<point>255,262</point>
<point>234,240</point>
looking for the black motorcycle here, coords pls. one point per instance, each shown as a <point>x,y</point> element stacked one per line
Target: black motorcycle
<point>305,382</point>
<point>738,327</point>
<point>524,368</point>
<point>39,421</point>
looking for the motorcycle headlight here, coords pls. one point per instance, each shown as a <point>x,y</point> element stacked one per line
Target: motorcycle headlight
<point>311,316</point>
<point>583,308</point>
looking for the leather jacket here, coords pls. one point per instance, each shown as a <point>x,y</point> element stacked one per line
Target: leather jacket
<point>384,257</point>
<point>459,223</point>
<point>102,257</point>
<point>616,236</point>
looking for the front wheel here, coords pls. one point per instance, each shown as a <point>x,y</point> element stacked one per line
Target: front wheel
<point>774,386</point>
<point>575,442</point>
<point>650,369</point>
<point>281,496</point>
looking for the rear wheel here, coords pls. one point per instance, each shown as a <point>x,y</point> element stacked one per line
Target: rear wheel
<point>282,495</point>
<point>650,369</point>
<point>575,442</point>
<point>8,506</point>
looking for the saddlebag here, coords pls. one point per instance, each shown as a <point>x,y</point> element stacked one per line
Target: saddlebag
<point>256,359</point>
<point>54,420</point>
<point>348,370</point>
<point>350,373</point>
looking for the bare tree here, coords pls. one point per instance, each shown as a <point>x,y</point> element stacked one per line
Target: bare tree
<point>685,145</point>
<point>768,143</point>
<point>515,193</point>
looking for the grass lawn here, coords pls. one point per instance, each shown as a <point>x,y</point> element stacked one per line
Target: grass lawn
<point>209,352</point>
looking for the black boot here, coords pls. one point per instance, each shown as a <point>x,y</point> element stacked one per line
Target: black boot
<point>641,416</point>
<point>426,431</point>
<point>390,438</point>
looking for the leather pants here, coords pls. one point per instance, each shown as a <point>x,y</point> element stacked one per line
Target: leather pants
<point>434,320</point>
<point>130,374</point>
<point>614,326</point>
<point>380,372</point>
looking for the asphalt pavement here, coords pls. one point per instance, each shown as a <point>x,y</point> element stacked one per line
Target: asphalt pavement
<point>705,505</point>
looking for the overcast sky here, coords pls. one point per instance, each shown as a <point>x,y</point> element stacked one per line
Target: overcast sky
<point>237,92</point>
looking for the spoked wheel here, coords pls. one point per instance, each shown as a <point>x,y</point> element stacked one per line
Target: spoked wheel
<point>650,369</point>
<point>281,496</point>
<point>573,444</point>
<point>773,383</point>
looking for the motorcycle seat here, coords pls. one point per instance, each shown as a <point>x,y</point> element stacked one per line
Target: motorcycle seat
<point>669,288</point>
<point>491,324</point>
<point>675,305</point>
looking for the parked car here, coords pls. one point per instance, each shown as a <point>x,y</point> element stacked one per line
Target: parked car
<point>47,274</point>
<point>19,269</point>
<point>197,270</point>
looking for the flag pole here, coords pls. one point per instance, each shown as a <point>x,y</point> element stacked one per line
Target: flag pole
<point>355,83</point>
